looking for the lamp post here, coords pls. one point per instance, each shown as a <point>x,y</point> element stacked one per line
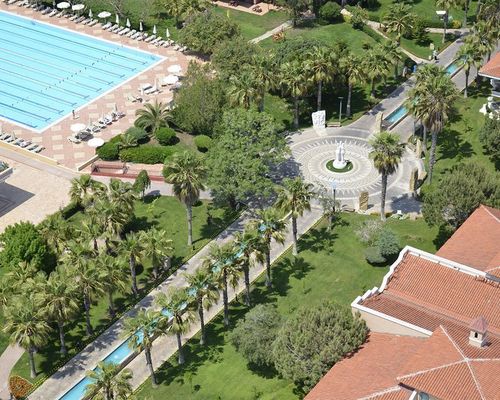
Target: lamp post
<point>334,191</point>
<point>340,110</point>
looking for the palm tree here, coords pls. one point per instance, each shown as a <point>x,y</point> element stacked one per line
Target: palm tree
<point>132,248</point>
<point>294,197</point>
<point>90,229</point>
<point>270,226</point>
<point>431,101</point>
<point>127,140</point>
<point>176,315</point>
<point>83,189</point>
<point>186,173</point>
<point>157,247</point>
<point>466,10</point>
<point>320,64</point>
<point>376,64</point>
<point>122,194</point>
<point>204,292</point>
<point>489,11</point>
<point>25,324</point>
<point>394,55</point>
<point>293,79</point>
<point>354,71</point>
<point>445,5</point>
<point>140,332</point>
<point>241,89</point>
<point>56,231</point>
<point>386,156</point>
<point>222,263</point>
<point>60,294</point>
<point>108,379</point>
<point>114,277</point>
<point>469,55</point>
<point>399,19</point>
<point>152,117</point>
<point>484,37</point>
<point>264,77</point>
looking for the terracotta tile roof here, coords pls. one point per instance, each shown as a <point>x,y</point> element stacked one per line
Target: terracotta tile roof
<point>395,393</point>
<point>476,242</point>
<point>492,67</point>
<point>479,325</point>
<point>372,369</point>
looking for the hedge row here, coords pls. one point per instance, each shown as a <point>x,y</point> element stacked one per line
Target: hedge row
<point>146,154</point>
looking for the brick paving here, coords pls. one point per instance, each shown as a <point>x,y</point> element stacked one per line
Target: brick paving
<point>54,138</point>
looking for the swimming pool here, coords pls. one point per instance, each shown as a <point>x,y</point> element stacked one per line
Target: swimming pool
<point>46,71</point>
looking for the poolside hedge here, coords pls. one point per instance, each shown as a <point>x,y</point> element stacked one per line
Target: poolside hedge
<point>146,154</point>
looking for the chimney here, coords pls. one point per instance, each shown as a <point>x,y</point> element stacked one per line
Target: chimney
<point>478,330</point>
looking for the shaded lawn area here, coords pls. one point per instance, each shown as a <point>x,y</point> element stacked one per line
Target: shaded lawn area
<point>423,50</point>
<point>425,9</point>
<point>330,266</point>
<point>253,25</point>
<point>163,212</point>
<point>460,139</point>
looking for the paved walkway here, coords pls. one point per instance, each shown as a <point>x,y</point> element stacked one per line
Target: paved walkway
<point>8,359</point>
<point>284,26</point>
<point>164,347</point>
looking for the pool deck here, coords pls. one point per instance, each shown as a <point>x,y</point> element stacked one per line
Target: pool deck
<point>54,138</point>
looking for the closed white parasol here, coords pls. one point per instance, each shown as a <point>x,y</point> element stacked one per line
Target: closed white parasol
<point>63,5</point>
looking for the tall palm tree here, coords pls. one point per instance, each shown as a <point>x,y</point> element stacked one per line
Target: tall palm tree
<point>83,189</point>
<point>141,330</point>
<point>186,173</point>
<point>445,5</point>
<point>242,89</point>
<point>108,380</point>
<point>122,194</point>
<point>394,55</point>
<point>270,226</point>
<point>152,117</point>
<point>60,301</point>
<point>90,230</point>
<point>485,37</point>
<point>132,248</point>
<point>386,155</point>
<point>294,197</point>
<point>56,231</point>
<point>320,64</point>
<point>114,277</point>
<point>25,324</point>
<point>489,11</point>
<point>204,291</point>
<point>469,55</point>
<point>355,73</point>
<point>431,101</point>
<point>376,64</point>
<point>176,315</point>
<point>264,76</point>
<point>222,263</point>
<point>399,19</point>
<point>293,80</point>
<point>157,247</point>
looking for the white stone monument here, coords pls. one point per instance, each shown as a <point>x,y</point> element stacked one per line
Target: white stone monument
<point>319,119</point>
<point>340,162</point>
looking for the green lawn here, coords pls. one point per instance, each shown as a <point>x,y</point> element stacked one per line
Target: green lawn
<point>423,50</point>
<point>330,266</point>
<point>425,9</point>
<point>163,212</point>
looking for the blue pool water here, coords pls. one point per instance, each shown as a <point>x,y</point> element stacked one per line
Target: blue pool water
<point>46,72</point>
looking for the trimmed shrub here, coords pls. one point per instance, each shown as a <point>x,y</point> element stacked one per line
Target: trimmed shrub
<point>456,24</point>
<point>138,134</point>
<point>203,143</point>
<point>108,151</point>
<point>165,136</point>
<point>388,244</point>
<point>373,256</point>
<point>146,154</point>
<point>330,12</point>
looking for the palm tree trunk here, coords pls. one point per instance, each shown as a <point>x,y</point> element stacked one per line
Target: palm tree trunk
<point>86,304</point>
<point>296,112</point>
<point>202,321</point>
<point>424,139</point>
<point>246,277</point>
<point>445,22</point>
<point>373,88</point>
<point>294,234</point>
<point>154,261</point>
<point>225,300</point>
<point>96,248</point>
<point>60,325</point>
<point>349,95</point>
<point>382,196</point>
<point>320,89</point>
<point>467,71</point>
<point>432,158</point>
<point>189,212</point>
<point>133,275</point>
<point>180,358</point>
<point>466,11</point>
<point>31,354</point>
<point>268,264</point>
<point>111,308</point>
<point>149,361</point>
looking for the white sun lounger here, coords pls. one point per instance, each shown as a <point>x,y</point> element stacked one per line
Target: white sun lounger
<point>107,25</point>
<point>32,147</point>
<point>94,22</point>
<point>136,35</point>
<point>124,31</point>
<point>52,13</point>
<point>132,32</point>
<point>150,38</point>
<point>157,40</point>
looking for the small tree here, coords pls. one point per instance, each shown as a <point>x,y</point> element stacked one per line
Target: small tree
<point>358,17</point>
<point>388,244</point>
<point>142,182</point>
<point>489,135</point>
<point>254,335</point>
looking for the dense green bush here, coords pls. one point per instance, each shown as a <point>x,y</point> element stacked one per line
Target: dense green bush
<point>358,17</point>
<point>489,135</point>
<point>165,136</point>
<point>330,12</point>
<point>146,154</point>
<point>109,151</point>
<point>139,134</point>
<point>203,142</point>
<point>373,256</point>
<point>388,244</point>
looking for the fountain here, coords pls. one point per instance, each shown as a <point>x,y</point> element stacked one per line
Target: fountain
<point>340,162</point>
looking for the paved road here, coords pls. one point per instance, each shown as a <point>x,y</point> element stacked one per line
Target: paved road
<point>284,26</point>
<point>8,359</point>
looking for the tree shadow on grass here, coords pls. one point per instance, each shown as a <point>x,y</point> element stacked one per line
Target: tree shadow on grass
<point>453,146</point>
<point>318,239</point>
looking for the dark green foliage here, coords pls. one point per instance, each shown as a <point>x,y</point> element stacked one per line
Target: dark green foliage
<point>388,244</point>
<point>142,182</point>
<point>419,31</point>
<point>200,101</point>
<point>146,154</point>
<point>165,136</point>
<point>203,142</point>
<point>489,135</point>
<point>314,339</point>
<point>139,134</point>
<point>71,209</point>
<point>247,144</point>
<point>204,30</point>
<point>358,17</point>
<point>459,192</point>
<point>295,48</point>
<point>373,256</point>
<point>254,335</point>
<point>109,151</point>
<point>23,242</point>
<point>330,12</point>
<point>230,55</point>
